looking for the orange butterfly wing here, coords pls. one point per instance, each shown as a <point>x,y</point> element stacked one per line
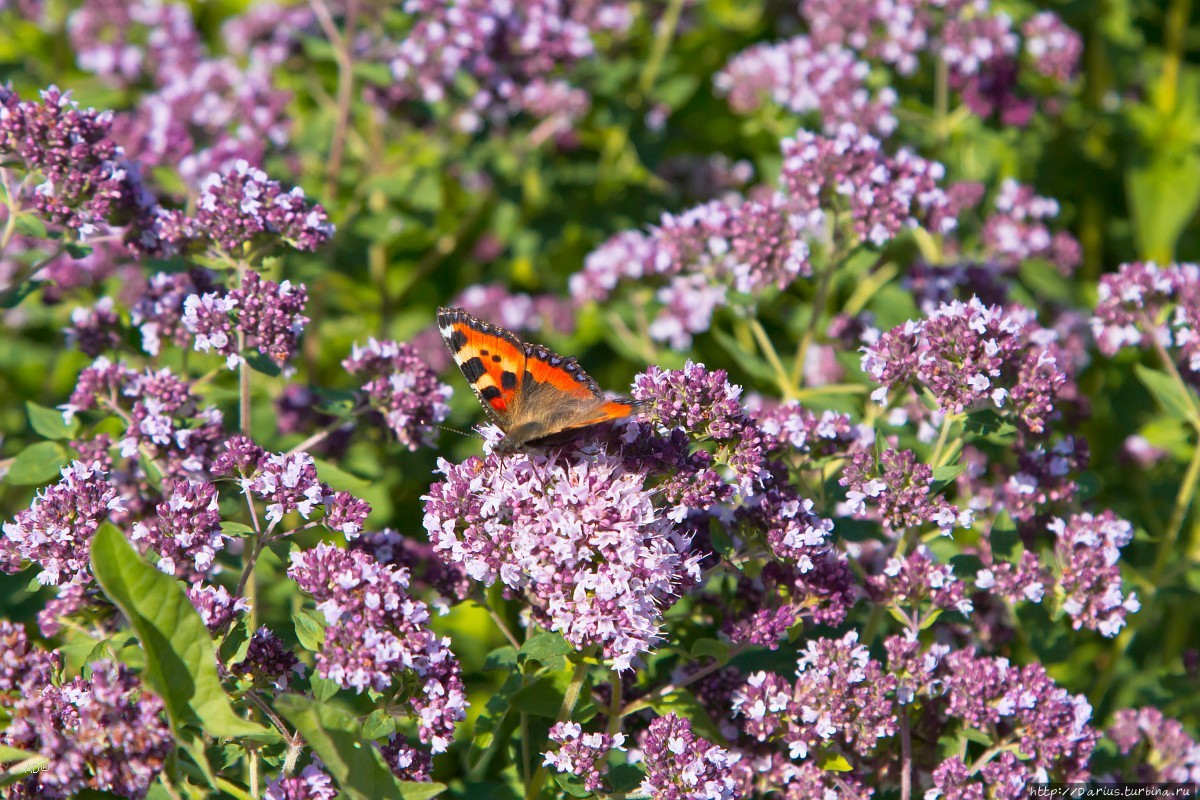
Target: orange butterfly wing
<point>491,359</point>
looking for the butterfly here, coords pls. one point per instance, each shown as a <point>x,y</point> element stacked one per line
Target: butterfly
<point>528,391</point>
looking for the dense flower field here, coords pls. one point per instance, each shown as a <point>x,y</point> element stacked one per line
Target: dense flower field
<point>900,291</point>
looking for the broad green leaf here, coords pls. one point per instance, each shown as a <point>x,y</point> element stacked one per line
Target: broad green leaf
<point>10,754</point>
<point>181,663</point>
<point>260,363</point>
<point>37,464</point>
<point>944,475</point>
<point>625,777</point>
<point>48,422</point>
<point>236,529</point>
<point>504,658</point>
<point>542,698</point>
<point>378,725</point>
<point>1164,192</point>
<point>835,763</point>
<point>339,478</point>
<point>545,646</point>
<point>11,298</point>
<point>714,648</point>
<point>353,761</point>
<point>571,785</point>
<point>31,225</point>
<point>310,630</point>
<point>1173,398</point>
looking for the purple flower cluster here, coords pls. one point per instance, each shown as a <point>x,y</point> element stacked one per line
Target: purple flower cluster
<point>215,605</point>
<point>747,245</point>
<point>106,733</point>
<point>840,695</point>
<point>972,356</point>
<point>582,540</point>
<point>977,42</point>
<point>85,180</point>
<point>708,408</point>
<point>1048,723</point>
<point>313,783</point>
<point>402,388</point>
<point>582,754</point>
<point>377,632</point>
<point>162,414</point>
<point>56,531</point>
<point>186,533</point>
<point>243,208</point>
<point>266,314</point>
<point>158,311</point>
<point>199,113</point>
<point>806,78</point>
<point>288,483</point>
<point>792,427</point>
<point>1144,305</point>
<point>406,762</point>
<point>897,490</point>
<point>1087,550</point>
<point>916,587</point>
<point>1016,231</point>
<point>96,329</point>
<point>507,53</point>
<point>683,766</point>
<point>1168,755</point>
<point>268,660</point>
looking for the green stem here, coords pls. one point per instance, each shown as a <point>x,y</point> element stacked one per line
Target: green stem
<point>768,350</point>
<point>936,460</point>
<point>534,787</point>
<point>658,51</point>
<point>1174,28</point>
<point>1183,501</point>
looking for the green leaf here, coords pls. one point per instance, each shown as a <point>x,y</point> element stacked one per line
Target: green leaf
<point>545,646</point>
<point>48,422</point>
<point>835,763</point>
<point>543,698</point>
<point>31,225</point>
<point>310,630</point>
<point>12,298</point>
<point>378,724</point>
<point>1164,192</point>
<point>260,363</point>
<point>236,529</point>
<point>322,688</point>
<point>1173,398</point>
<point>571,785</point>
<point>37,464</point>
<point>180,662</point>
<point>504,658</point>
<point>339,478</point>
<point>78,250</point>
<point>10,754</point>
<point>625,777</point>
<point>710,647</point>
<point>354,763</point>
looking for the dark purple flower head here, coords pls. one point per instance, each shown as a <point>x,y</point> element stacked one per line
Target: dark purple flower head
<point>406,762</point>
<point>96,329</point>
<point>377,632</point>
<point>897,489</point>
<point>56,531</point>
<point>186,533</point>
<point>681,765</point>
<point>582,754</point>
<point>401,387</point>
<point>1087,549</point>
<point>158,310</point>
<point>85,181</point>
<point>106,733</point>
<point>241,458</point>
<point>313,783</point>
<point>806,78</point>
<point>583,540</point>
<point>268,660</point>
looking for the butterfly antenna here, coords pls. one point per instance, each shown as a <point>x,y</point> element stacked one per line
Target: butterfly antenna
<point>468,434</point>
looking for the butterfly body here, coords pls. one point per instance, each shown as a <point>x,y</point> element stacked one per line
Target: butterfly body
<point>528,391</point>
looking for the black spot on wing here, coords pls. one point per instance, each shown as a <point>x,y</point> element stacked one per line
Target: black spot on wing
<point>457,340</point>
<point>473,369</point>
<point>508,380</point>
<point>489,393</point>
<point>497,359</point>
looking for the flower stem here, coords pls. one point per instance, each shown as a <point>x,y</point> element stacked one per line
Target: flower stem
<point>768,350</point>
<point>345,91</point>
<point>534,787</point>
<point>905,757</point>
<point>658,50</point>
